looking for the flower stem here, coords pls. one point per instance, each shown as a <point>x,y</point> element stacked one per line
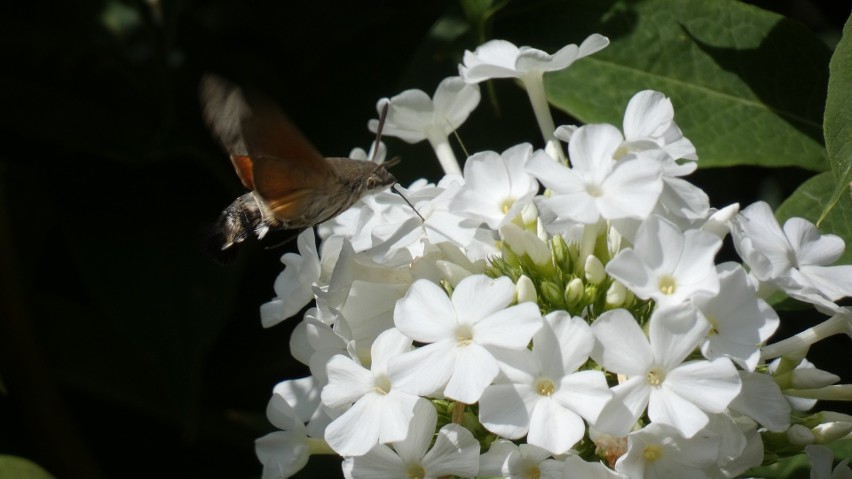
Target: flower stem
<point>458,412</point>
<point>441,145</point>
<point>839,323</point>
<point>318,446</point>
<point>534,84</point>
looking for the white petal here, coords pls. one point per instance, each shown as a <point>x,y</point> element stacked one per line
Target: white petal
<point>675,332</point>
<point>478,296</point>
<point>622,346</point>
<point>503,410</point>
<point>511,328</point>
<point>592,147</point>
<point>347,381</point>
<point>710,385</point>
<point>380,463</point>
<point>455,452</point>
<point>357,430</point>
<point>413,448</point>
<point>425,314</point>
<point>474,369</point>
<point>761,400</point>
<point>282,454</point>
<point>648,114</point>
<point>454,101</point>
<point>669,408</point>
<point>554,427</point>
<point>424,370</point>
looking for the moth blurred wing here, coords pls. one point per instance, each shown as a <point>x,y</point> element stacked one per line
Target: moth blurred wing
<point>289,188</point>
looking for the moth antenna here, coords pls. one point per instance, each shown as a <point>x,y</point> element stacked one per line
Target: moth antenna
<point>397,191</point>
<point>382,117</point>
<point>461,143</point>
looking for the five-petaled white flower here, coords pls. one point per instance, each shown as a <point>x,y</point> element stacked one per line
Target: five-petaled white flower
<point>455,452</point>
<point>461,334</point>
<point>596,185</point>
<point>677,393</point>
<point>413,116</point>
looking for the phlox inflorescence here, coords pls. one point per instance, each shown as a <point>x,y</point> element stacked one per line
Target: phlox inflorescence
<point>543,314</point>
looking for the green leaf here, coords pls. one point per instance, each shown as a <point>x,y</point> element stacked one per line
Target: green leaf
<point>20,468</point>
<point>808,202</point>
<point>838,116</point>
<point>747,85</point>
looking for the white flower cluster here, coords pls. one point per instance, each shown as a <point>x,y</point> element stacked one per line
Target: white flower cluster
<point>584,332</point>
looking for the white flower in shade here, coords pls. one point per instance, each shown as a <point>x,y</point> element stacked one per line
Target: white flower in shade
<point>667,265</point>
<point>741,322</point>
<point>597,186</point>
<point>762,401</point>
<point>375,411</point>
<point>433,222</point>
<point>543,396</point>
<point>741,446</point>
<point>794,259</point>
<point>460,334</point>
<point>361,294</point>
<point>455,452</point>
<point>496,187</point>
<point>821,459</point>
<point>676,393</point>
<point>293,287</point>
<point>285,452</point>
<point>658,451</point>
<point>502,59</point>
<point>649,124</point>
<point>303,396</point>
<point>507,459</point>
<point>413,116</point>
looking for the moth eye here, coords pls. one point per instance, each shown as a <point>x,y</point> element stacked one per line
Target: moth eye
<point>371,182</point>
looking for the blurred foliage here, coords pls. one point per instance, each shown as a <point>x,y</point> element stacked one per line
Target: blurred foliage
<point>124,350</point>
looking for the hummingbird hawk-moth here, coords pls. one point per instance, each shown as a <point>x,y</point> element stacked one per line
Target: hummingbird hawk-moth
<point>292,185</point>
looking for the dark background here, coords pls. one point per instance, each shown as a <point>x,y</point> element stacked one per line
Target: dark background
<point>124,350</point>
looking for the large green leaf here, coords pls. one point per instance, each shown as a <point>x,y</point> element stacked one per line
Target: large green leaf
<point>748,85</point>
<point>809,201</point>
<point>838,116</point>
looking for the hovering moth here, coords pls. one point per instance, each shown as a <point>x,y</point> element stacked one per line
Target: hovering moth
<point>292,185</point>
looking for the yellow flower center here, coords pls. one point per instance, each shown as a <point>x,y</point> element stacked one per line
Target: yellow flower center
<point>667,285</point>
<point>382,385</point>
<point>533,473</point>
<point>464,335</point>
<point>416,471</point>
<point>506,205</point>
<point>652,453</point>
<point>545,387</point>
<point>656,377</point>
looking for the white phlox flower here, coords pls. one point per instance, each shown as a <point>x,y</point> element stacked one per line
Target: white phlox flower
<point>667,265</point>
<point>741,322</point>
<point>543,396</point>
<point>285,452</point>
<point>597,186</point>
<point>794,259</point>
<point>502,59</point>
<point>496,187</point>
<point>507,459</point>
<point>460,334</point>
<point>676,393</point>
<point>658,451</point>
<point>413,116</point>
<point>293,287</point>
<point>375,411</point>
<point>455,452</point>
